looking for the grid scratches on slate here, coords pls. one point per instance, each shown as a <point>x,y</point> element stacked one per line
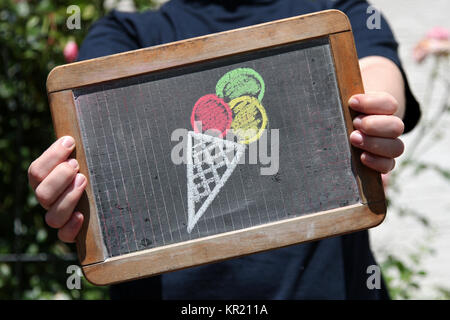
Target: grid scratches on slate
<point>141,195</point>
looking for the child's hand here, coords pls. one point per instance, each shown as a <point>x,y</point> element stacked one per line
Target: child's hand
<point>377,130</point>
<point>58,187</point>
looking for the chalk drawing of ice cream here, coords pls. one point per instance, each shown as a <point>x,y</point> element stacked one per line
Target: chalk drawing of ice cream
<point>235,109</point>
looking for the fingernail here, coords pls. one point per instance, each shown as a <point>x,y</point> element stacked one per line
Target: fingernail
<point>357,122</point>
<point>73,163</point>
<point>366,157</point>
<point>79,180</point>
<point>78,217</point>
<point>353,101</point>
<point>68,142</point>
<point>357,138</point>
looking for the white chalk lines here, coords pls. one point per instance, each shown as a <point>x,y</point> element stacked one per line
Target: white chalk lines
<point>208,169</point>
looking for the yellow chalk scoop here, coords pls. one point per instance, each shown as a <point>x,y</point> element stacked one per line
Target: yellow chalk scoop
<point>249,118</point>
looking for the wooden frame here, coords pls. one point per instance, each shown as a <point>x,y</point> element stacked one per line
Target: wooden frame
<point>101,270</point>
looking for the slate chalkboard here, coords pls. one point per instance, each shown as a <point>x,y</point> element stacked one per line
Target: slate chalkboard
<point>155,202</point>
<point>127,125</point>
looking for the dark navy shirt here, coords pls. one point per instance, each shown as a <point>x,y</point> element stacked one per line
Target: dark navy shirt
<point>334,268</point>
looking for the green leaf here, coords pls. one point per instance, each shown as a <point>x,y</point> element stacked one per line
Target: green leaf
<point>22,8</point>
<point>32,22</point>
<point>88,12</point>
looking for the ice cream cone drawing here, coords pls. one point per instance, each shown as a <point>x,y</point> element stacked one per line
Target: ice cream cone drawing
<point>211,159</point>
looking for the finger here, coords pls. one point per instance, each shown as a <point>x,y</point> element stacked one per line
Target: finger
<point>379,126</point>
<point>56,182</point>
<point>374,103</point>
<point>70,230</point>
<point>385,180</point>
<point>385,147</point>
<point>61,211</point>
<point>58,152</point>
<point>377,163</point>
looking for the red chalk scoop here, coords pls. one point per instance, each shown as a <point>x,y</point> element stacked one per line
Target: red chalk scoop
<point>211,112</point>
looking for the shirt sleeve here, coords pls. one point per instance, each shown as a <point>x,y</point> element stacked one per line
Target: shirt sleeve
<point>378,41</point>
<point>116,32</point>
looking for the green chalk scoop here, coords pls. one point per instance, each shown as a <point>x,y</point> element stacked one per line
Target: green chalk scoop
<point>240,82</point>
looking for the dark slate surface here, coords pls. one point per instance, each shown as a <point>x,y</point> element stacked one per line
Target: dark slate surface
<point>141,196</point>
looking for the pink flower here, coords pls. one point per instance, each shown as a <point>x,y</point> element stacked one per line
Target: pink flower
<point>438,33</point>
<point>436,43</point>
<point>70,51</point>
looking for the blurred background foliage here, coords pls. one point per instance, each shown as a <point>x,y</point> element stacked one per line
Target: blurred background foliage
<point>33,263</point>
<point>33,35</point>
<point>405,274</point>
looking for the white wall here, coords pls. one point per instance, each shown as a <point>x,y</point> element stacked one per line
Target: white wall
<point>427,193</point>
